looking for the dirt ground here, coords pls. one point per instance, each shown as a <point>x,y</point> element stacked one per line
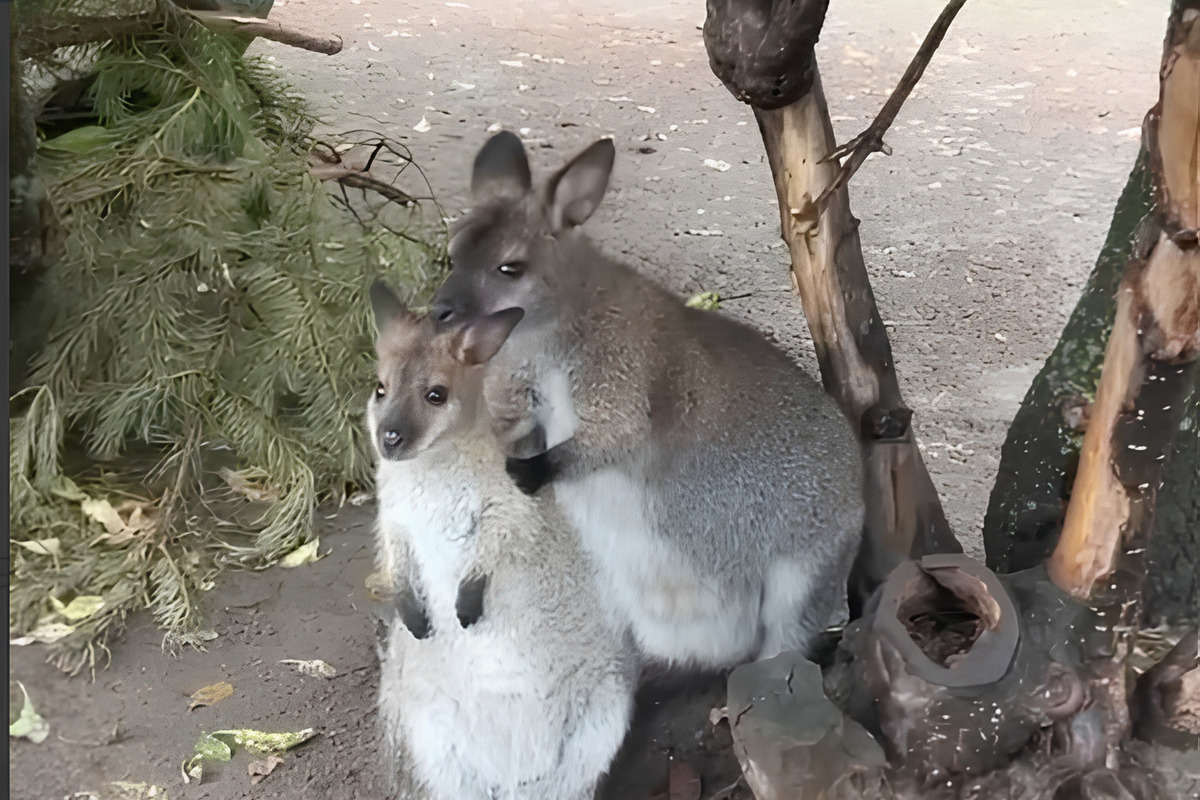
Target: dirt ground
<point>978,231</point>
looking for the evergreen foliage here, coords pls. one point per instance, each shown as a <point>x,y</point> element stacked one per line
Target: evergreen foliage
<point>208,308</point>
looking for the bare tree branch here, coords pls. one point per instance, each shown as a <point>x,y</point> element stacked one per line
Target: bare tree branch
<point>871,140</point>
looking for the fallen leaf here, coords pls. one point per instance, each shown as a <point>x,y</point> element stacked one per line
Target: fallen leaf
<point>316,668</point>
<point>304,554</point>
<point>210,694</point>
<point>29,724</point>
<point>208,748</point>
<point>706,301</point>
<point>65,488</point>
<point>128,790</point>
<point>43,547</point>
<point>423,126</point>
<point>254,484</point>
<point>103,512</point>
<point>261,769</point>
<point>261,742</point>
<point>45,632</point>
<point>80,608</point>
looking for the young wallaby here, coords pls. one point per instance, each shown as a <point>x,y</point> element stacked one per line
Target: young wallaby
<point>503,676</point>
<point>715,484</point>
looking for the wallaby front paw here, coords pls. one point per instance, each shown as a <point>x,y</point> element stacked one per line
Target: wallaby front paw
<point>529,474</point>
<point>469,605</point>
<point>412,613</point>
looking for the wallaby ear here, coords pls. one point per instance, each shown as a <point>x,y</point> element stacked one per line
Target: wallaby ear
<point>501,168</point>
<point>482,338</point>
<point>385,304</point>
<point>575,192</point>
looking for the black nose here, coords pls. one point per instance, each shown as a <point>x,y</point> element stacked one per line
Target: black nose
<point>443,313</point>
<point>391,439</point>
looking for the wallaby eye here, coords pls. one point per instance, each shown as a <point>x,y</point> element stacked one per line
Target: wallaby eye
<point>436,396</point>
<point>513,269</point>
<point>379,390</point>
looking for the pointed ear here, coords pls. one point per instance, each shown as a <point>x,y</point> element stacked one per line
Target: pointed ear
<point>385,304</point>
<point>575,192</point>
<point>501,168</point>
<point>482,338</point>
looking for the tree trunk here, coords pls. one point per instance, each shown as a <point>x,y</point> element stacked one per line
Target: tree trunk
<point>1039,456</point>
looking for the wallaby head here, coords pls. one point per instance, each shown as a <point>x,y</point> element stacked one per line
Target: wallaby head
<point>504,253</point>
<point>429,381</point>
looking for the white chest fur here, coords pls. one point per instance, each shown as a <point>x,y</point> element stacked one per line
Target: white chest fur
<point>431,511</point>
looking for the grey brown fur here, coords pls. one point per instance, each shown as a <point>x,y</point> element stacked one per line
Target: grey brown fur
<point>716,485</point>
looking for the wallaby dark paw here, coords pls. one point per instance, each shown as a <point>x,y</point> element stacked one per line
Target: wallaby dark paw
<point>412,614</point>
<point>529,474</point>
<point>469,605</point>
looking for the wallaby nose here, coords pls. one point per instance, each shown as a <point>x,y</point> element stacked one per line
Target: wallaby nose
<point>392,439</point>
<point>443,312</point>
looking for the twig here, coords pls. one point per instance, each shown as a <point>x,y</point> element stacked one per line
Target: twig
<point>871,139</point>
<point>225,23</point>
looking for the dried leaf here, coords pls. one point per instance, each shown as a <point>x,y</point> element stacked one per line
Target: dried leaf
<point>30,724</point>
<point>253,484</point>
<point>43,547</point>
<point>304,554</point>
<point>210,694</point>
<point>316,668</point>
<point>128,790</point>
<point>103,512</point>
<point>45,632</point>
<point>261,769</point>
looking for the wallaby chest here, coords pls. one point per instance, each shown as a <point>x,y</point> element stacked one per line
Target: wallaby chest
<point>438,507</point>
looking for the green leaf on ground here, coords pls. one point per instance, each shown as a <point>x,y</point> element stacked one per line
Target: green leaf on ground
<point>219,746</point>
<point>705,301</point>
<point>29,724</point>
<point>80,608</point>
<point>304,554</point>
<point>79,140</point>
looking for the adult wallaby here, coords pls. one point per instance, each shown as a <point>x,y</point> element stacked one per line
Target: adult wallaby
<point>716,485</point>
<point>503,676</point>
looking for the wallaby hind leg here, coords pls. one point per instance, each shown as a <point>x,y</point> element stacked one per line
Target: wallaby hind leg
<point>794,608</point>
